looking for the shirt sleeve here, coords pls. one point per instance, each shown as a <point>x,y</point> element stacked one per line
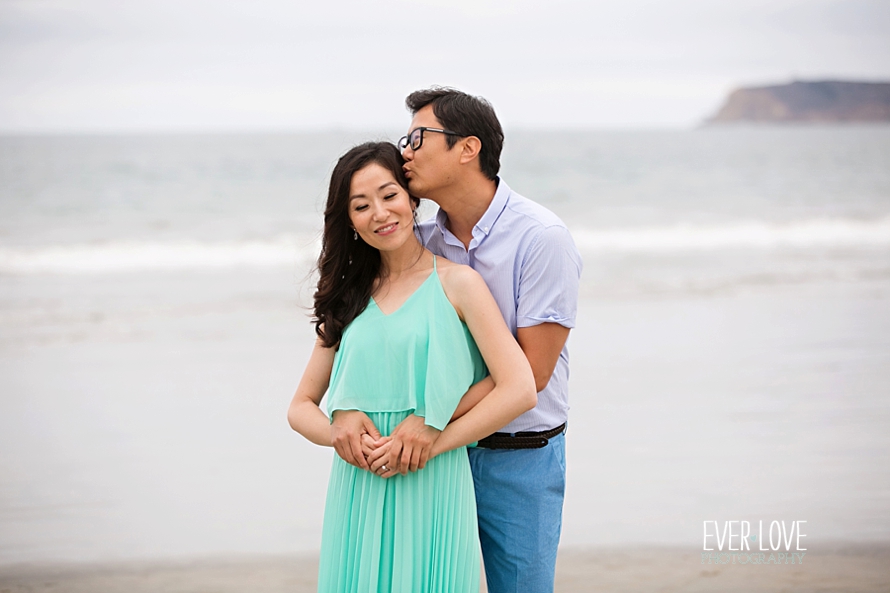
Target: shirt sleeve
<point>549,279</point>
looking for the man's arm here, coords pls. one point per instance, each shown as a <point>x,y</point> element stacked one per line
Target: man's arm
<point>542,345</point>
<point>412,440</point>
<point>511,377</point>
<point>547,300</point>
<point>473,396</point>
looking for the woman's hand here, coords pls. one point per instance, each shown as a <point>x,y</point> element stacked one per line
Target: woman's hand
<point>370,444</point>
<point>348,427</point>
<point>381,458</point>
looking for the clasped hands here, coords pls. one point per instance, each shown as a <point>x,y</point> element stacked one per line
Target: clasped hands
<point>358,442</point>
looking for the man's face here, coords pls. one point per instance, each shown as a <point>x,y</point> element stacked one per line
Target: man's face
<point>431,167</point>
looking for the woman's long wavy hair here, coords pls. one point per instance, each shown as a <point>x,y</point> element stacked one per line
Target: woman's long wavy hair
<point>347,266</point>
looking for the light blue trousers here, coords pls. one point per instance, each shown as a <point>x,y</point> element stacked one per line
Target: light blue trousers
<point>519,496</point>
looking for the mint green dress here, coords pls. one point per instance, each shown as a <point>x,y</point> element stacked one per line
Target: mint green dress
<point>415,533</point>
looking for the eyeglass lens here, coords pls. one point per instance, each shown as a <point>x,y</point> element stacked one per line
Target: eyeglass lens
<point>416,138</point>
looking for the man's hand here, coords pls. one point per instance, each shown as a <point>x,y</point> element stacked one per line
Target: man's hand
<point>347,429</point>
<point>410,445</point>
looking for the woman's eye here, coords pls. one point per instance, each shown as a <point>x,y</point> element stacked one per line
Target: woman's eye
<point>389,196</point>
<point>360,208</point>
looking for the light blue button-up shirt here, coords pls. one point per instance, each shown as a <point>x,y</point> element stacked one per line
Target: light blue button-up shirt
<point>532,267</point>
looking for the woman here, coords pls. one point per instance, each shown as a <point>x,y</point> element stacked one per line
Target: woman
<point>401,333</point>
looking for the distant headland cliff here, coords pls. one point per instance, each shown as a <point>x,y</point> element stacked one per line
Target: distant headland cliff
<point>824,101</point>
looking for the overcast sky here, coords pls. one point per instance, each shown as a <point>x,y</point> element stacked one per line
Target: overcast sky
<point>108,65</point>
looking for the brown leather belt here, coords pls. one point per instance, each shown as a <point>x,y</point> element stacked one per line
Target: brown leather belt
<point>520,440</point>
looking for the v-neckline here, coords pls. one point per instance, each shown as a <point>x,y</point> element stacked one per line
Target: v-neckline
<point>410,296</point>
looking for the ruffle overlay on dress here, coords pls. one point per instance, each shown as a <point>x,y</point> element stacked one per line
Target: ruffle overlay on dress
<point>419,358</point>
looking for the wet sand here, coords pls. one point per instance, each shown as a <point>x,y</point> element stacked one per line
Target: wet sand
<point>847,568</point>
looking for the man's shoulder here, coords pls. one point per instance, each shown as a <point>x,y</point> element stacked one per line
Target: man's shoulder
<point>536,227</point>
<point>531,212</point>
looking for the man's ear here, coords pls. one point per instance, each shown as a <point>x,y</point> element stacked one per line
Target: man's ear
<point>471,147</point>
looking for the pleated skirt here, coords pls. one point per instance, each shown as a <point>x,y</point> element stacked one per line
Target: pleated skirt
<point>405,534</point>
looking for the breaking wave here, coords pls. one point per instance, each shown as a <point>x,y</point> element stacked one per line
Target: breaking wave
<point>810,234</point>
<point>117,257</point>
<point>133,256</point>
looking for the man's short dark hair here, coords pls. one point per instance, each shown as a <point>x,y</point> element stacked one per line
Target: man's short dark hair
<point>468,116</point>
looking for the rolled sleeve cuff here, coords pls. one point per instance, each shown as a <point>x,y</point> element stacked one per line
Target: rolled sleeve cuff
<point>525,321</point>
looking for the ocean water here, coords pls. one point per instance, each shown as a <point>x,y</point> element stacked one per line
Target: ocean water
<point>731,359</point>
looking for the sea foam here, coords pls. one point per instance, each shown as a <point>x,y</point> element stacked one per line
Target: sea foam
<point>807,234</point>
<point>131,256</point>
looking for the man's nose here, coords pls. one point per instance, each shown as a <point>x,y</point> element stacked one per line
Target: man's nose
<point>408,153</point>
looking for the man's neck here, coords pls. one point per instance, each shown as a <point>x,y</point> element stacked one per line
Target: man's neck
<point>466,205</point>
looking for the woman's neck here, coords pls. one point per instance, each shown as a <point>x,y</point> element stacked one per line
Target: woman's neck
<point>402,260</point>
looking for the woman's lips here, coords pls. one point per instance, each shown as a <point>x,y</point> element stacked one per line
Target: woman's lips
<point>386,230</point>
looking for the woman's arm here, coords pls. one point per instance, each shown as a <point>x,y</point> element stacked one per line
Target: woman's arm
<point>304,414</point>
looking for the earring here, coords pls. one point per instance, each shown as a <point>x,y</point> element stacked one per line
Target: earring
<point>354,235</point>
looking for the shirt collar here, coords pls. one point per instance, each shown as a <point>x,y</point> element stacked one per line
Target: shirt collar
<point>486,223</point>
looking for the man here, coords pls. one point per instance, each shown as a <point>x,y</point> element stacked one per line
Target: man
<point>530,263</point>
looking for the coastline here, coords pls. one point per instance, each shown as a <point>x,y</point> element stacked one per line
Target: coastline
<point>855,567</point>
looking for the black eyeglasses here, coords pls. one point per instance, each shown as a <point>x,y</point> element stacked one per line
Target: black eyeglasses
<point>415,138</point>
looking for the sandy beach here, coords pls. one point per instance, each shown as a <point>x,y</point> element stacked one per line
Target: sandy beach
<point>848,568</point>
<point>730,361</point>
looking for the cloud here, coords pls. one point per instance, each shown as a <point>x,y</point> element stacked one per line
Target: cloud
<point>102,65</point>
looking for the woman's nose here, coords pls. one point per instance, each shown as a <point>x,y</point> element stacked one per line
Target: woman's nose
<point>379,211</point>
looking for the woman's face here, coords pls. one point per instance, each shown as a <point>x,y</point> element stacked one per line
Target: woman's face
<point>380,209</point>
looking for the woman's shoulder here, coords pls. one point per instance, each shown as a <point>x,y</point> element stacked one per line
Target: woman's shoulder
<point>456,274</point>
<point>461,283</point>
